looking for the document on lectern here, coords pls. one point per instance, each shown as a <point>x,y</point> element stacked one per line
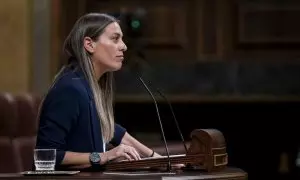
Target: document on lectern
<point>171,156</point>
<point>138,173</point>
<point>160,157</point>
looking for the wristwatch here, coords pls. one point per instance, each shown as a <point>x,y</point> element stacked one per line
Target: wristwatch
<point>95,158</point>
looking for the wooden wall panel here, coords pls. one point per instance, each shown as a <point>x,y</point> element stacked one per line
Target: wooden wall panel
<point>165,35</point>
<point>204,30</point>
<point>263,30</point>
<point>176,31</point>
<point>56,36</point>
<point>15,46</point>
<point>268,23</point>
<point>205,12</point>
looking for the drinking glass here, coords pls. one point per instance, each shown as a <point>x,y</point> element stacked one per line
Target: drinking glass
<point>44,159</point>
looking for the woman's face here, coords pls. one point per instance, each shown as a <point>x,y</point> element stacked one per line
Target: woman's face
<point>107,51</point>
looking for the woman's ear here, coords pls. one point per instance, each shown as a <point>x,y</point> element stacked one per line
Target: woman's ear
<point>89,44</point>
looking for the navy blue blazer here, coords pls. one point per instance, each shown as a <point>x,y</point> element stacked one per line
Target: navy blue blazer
<point>68,119</point>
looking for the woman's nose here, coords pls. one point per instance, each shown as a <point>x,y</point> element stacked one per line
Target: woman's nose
<point>123,47</point>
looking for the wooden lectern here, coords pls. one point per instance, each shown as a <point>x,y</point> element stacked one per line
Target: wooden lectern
<point>206,157</point>
<point>207,152</point>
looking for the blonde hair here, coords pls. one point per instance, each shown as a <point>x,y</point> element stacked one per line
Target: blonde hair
<point>92,25</point>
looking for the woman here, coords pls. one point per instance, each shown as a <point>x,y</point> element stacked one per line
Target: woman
<point>76,117</point>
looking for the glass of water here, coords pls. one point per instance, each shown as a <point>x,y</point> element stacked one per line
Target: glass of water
<point>44,159</point>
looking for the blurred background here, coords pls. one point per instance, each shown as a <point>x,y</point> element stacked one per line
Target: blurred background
<point>233,65</point>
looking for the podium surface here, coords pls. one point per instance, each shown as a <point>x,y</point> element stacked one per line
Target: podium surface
<point>226,174</point>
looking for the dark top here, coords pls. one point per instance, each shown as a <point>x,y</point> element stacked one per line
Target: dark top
<point>69,121</point>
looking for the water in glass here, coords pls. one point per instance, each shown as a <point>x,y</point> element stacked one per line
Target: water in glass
<point>44,159</point>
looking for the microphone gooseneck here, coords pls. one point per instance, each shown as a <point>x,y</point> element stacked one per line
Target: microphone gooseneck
<point>174,118</point>
<point>161,127</point>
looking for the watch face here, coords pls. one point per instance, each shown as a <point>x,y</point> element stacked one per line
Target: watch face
<point>95,157</point>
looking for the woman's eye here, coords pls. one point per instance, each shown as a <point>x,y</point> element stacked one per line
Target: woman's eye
<point>115,38</point>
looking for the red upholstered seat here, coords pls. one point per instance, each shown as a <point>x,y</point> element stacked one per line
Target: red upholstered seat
<point>24,147</point>
<point>8,115</point>
<point>25,136</point>
<point>9,158</point>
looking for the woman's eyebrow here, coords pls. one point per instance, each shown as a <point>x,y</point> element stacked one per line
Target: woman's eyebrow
<point>117,34</point>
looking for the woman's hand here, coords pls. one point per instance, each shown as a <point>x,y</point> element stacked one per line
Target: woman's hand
<point>123,152</point>
<point>156,155</point>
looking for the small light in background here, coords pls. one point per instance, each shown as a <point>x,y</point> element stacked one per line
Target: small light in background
<point>135,24</point>
<point>132,21</point>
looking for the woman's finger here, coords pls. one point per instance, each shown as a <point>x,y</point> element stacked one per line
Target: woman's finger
<point>135,154</point>
<point>130,152</point>
<point>127,156</point>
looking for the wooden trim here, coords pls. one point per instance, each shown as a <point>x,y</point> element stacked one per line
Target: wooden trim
<point>55,16</point>
<point>192,98</point>
<point>30,47</point>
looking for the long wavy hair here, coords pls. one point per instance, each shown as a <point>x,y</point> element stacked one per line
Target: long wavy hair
<point>92,25</point>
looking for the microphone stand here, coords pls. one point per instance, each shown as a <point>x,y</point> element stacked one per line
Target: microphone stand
<point>161,127</point>
<point>174,118</point>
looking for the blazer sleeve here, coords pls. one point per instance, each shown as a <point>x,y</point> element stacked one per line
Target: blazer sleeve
<point>118,135</point>
<point>59,113</point>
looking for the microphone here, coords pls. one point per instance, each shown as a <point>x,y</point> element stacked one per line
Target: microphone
<point>174,118</point>
<point>161,127</point>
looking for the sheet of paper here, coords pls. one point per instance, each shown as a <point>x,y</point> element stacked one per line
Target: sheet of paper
<point>160,157</point>
<point>139,173</point>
